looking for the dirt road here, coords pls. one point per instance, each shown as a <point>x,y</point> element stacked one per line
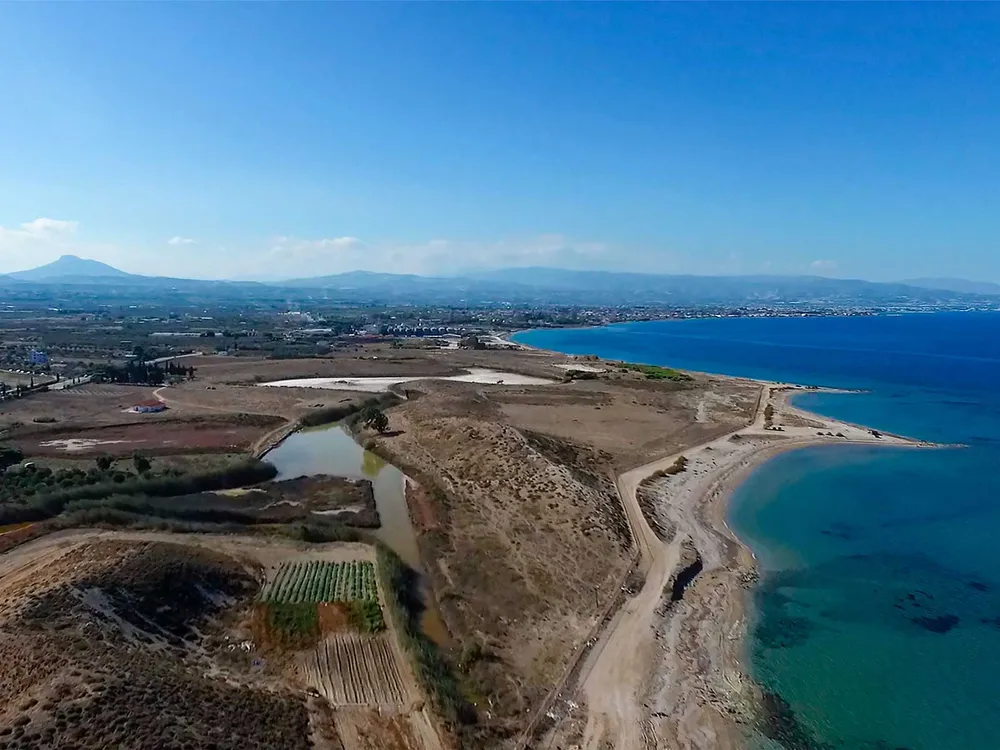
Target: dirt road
<point>629,675</point>
<point>623,655</point>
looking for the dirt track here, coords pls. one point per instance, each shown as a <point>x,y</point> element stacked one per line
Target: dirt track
<point>355,670</point>
<point>679,663</point>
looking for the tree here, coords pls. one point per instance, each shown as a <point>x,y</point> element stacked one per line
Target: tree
<point>374,417</point>
<point>104,462</point>
<point>142,464</point>
<point>9,457</point>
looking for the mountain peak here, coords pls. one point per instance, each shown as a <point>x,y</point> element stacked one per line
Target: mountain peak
<point>70,266</point>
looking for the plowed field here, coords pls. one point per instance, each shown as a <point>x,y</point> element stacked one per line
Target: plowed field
<point>353,670</point>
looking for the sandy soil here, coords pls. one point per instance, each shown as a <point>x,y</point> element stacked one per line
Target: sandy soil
<point>205,435</point>
<point>373,360</point>
<point>521,525</point>
<point>407,725</point>
<point>635,421</point>
<point>87,405</point>
<point>580,367</point>
<point>666,674</point>
<point>376,385</point>
<point>269,553</point>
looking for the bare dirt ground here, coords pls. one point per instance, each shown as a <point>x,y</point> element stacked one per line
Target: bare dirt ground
<point>378,384</point>
<point>85,406</point>
<point>289,403</point>
<point>354,670</point>
<point>632,419</point>
<point>139,639</point>
<point>368,361</point>
<point>666,671</point>
<point>94,658</point>
<point>227,387</point>
<point>206,435</point>
<point>527,539</point>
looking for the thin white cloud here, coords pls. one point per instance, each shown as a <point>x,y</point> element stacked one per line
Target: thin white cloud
<point>42,240</point>
<point>35,242</point>
<point>44,226</point>
<point>40,228</point>
<point>823,265</point>
<point>298,256</point>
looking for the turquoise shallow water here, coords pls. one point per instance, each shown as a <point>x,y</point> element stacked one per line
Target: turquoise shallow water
<point>878,611</point>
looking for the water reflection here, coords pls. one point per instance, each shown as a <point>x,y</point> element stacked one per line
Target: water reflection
<point>332,450</point>
<point>372,464</point>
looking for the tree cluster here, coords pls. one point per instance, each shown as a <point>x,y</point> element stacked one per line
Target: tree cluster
<point>375,418</point>
<point>142,373</point>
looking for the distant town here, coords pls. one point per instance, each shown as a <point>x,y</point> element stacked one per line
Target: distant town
<point>77,320</point>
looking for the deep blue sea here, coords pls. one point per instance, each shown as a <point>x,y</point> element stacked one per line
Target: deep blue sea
<point>877,617</point>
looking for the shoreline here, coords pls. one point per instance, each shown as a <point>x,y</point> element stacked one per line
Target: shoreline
<point>675,672</point>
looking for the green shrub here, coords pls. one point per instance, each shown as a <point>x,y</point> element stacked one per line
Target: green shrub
<point>48,503</point>
<point>294,624</point>
<point>655,372</point>
<point>398,583</point>
<point>365,616</point>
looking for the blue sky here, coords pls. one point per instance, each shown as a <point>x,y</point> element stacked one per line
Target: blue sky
<point>225,140</point>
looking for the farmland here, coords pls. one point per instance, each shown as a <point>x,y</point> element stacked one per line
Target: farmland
<point>354,670</point>
<point>317,581</point>
<point>83,628</point>
<point>307,600</point>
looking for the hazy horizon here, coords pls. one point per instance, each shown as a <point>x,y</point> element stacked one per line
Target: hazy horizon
<point>290,140</point>
<point>278,279</point>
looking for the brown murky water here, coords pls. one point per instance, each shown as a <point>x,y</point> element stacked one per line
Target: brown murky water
<point>332,450</point>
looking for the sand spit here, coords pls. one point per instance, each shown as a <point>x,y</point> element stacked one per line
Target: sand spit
<point>666,672</point>
<point>377,385</point>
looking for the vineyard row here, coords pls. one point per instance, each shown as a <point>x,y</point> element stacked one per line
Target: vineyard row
<point>318,581</point>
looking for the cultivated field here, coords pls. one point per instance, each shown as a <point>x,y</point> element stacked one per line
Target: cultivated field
<point>350,670</point>
<point>145,640</point>
<point>318,581</point>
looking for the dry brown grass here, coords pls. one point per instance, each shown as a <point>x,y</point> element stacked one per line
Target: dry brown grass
<point>529,536</point>
<point>100,649</point>
<point>90,405</point>
<point>373,360</point>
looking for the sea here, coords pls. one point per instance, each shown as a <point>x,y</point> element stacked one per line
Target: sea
<point>876,620</point>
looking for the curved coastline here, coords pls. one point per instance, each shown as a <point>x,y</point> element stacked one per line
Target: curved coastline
<point>680,662</point>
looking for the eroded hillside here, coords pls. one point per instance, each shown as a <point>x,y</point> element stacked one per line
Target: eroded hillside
<point>103,647</point>
<point>524,534</point>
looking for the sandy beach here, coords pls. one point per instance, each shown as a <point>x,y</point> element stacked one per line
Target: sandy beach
<point>667,671</point>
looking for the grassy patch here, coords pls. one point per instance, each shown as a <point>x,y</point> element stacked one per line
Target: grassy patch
<point>432,669</point>
<point>655,372</point>
<point>292,624</point>
<point>676,467</point>
<point>36,494</point>
<point>365,616</point>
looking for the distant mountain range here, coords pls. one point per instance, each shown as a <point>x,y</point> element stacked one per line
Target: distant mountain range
<point>963,286</point>
<point>532,285</point>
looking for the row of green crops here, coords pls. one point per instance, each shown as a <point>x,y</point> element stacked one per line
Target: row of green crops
<point>318,581</point>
